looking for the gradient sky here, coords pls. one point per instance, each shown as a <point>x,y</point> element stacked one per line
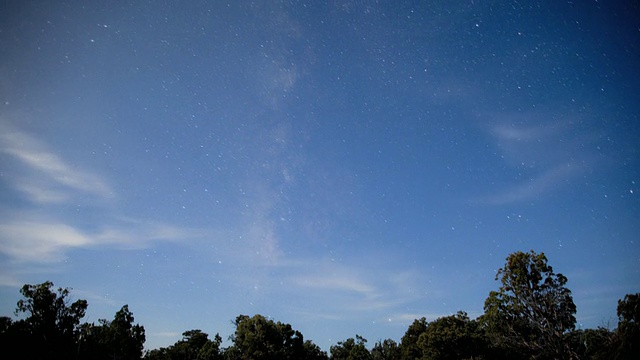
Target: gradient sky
<point>342,166</point>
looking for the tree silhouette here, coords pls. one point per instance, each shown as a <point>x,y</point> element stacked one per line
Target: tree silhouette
<point>532,310</point>
<point>51,323</point>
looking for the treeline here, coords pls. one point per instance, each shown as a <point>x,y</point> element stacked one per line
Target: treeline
<point>530,316</point>
<point>51,329</point>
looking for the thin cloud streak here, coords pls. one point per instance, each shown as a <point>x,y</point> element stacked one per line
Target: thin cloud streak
<point>46,178</point>
<point>59,176</point>
<point>354,288</point>
<point>143,234</point>
<point>532,188</point>
<point>546,155</point>
<point>524,133</point>
<point>30,241</point>
<point>35,239</point>
<point>336,283</point>
<point>39,192</point>
<point>9,280</point>
<point>337,278</point>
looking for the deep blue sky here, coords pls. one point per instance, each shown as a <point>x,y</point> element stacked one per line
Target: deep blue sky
<point>342,166</point>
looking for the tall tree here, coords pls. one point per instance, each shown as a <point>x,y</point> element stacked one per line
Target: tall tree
<point>409,344</point>
<point>10,336</point>
<point>452,337</point>
<point>386,350</point>
<point>313,351</point>
<point>350,349</point>
<point>127,340</point>
<point>51,323</point>
<point>258,338</point>
<point>118,339</point>
<point>627,336</point>
<point>195,344</point>
<point>592,344</point>
<point>531,312</point>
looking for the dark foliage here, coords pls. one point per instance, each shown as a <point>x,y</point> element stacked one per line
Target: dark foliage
<point>594,344</point>
<point>627,336</point>
<point>258,338</point>
<point>452,337</point>
<point>531,316</point>
<point>386,350</point>
<point>409,347</point>
<point>195,344</point>
<point>350,349</point>
<point>51,329</point>
<point>532,311</point>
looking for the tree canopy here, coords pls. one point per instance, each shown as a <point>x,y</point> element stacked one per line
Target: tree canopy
<point>51,329</point>
<point>532,310</point>
<point>451,337</point>
<point>116,339</point>
<point>350,349</point>
<point>386,350</point>
<point>530,316</point>
<point>195,344</point>
<point>409,345</point>
<point>50,324</point>
<point>627,339</point>
<point>259,338</point>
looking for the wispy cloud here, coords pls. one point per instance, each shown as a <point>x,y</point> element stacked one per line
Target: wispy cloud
<point>338,282</point>
<point>36,239</point>
<point>533,187</point>
<point>544,155</point>
<point>41,233</point>
<point>9,279</point>
<point>42,174</point>
<point>131,233</point>
<point>525,133</point>
<point>355,288</point>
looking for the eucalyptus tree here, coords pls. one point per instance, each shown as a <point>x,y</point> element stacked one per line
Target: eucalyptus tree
<point>532,310</point>
<point>259,338</point>
<point>350,349</point>
<point>117,339</point>
<point>452,337</point>
<point>386,350</point>
<point>49,326</point>
<point>409,348</point>
<point>627,335</point>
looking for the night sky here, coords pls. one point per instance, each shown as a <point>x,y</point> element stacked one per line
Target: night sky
<point>342,166</point>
